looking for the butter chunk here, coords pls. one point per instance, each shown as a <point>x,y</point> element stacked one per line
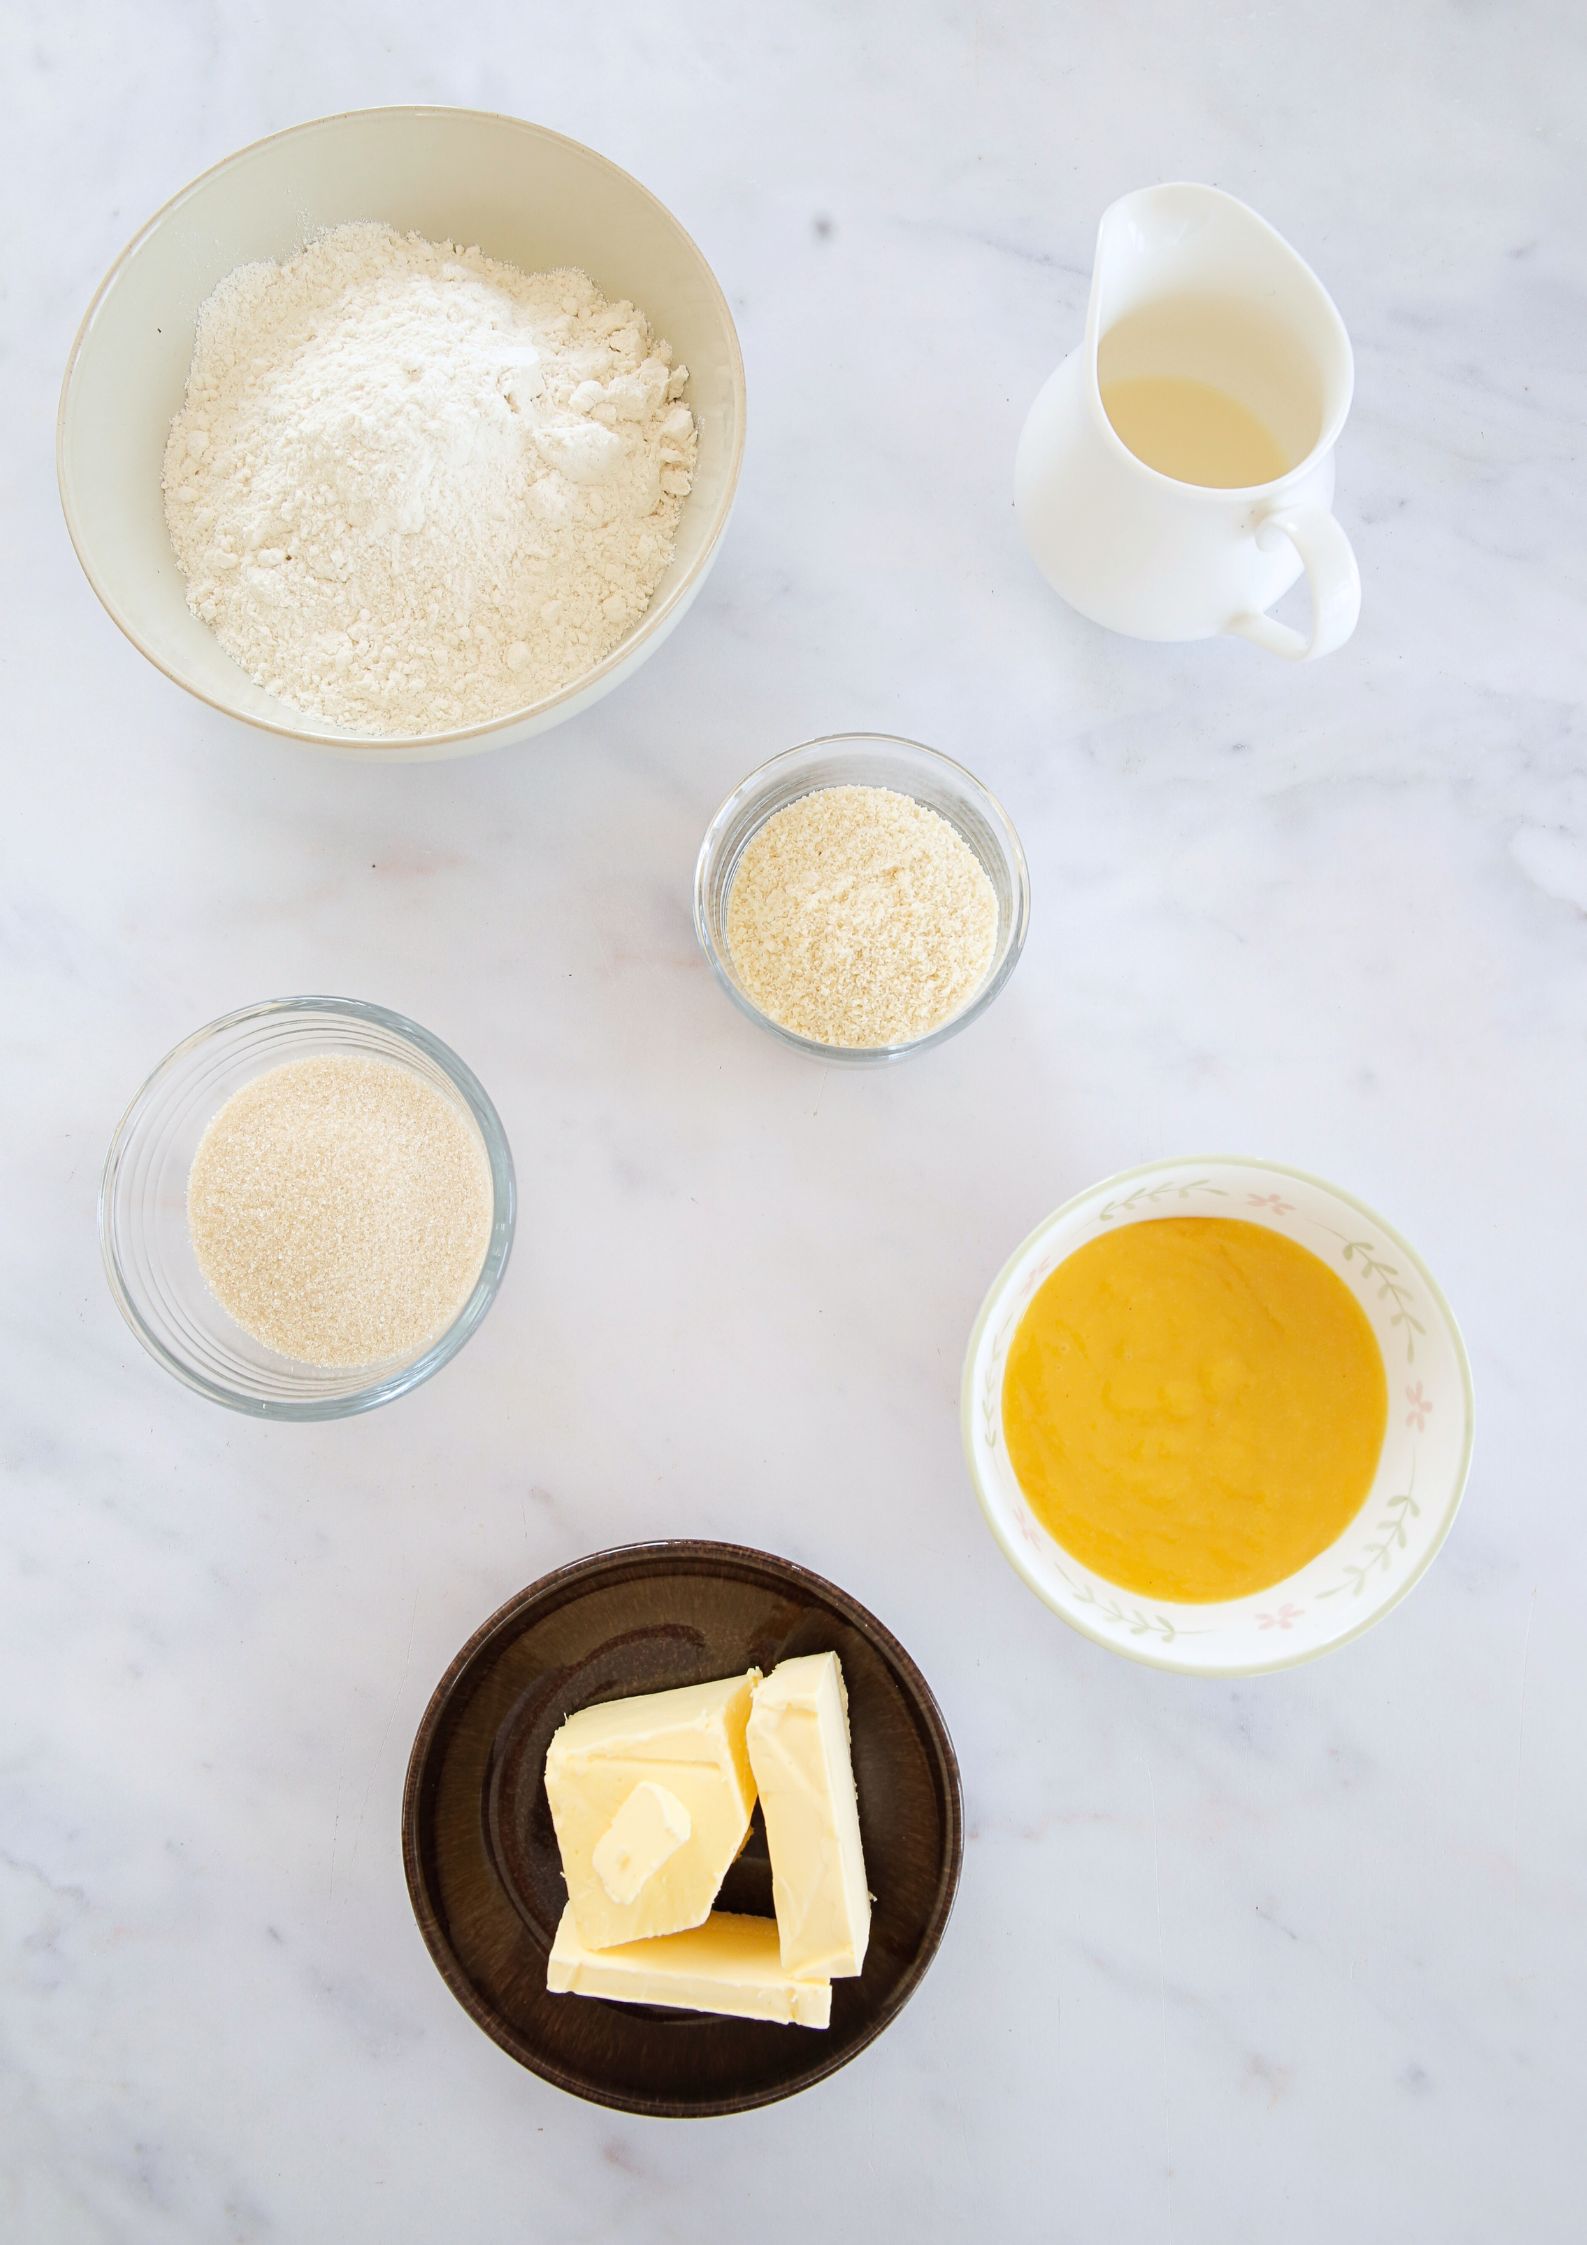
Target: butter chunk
<point>729,1964</point>
<point>646,1832</point>
<point>799,1751</point>
<point>651,1799</point>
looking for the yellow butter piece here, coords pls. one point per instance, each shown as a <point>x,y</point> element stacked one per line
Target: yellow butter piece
<point>730,1964</point>
<point>630,1875</point>
<point>798,1740</point>
<point>646,1832</point>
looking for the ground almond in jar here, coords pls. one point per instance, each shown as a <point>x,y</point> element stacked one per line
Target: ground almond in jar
<point>340,1209</point>
<point>860,918</point>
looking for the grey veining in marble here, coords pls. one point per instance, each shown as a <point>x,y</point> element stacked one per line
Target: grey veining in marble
<point>1292,1960</point>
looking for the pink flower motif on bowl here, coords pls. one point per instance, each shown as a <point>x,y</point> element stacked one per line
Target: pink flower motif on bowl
<point>1420,1403</point>
<point>1271,1200</point>
<point>1285,1615</point>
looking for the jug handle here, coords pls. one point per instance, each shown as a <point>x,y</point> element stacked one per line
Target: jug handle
<point>1332,573</point>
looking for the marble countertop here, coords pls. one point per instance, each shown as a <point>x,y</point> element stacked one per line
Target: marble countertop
<point>1298,1958</point>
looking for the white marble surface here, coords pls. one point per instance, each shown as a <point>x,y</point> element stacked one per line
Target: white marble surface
<point>1295,1959</point>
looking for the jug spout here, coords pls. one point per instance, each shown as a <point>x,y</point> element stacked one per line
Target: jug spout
<point>1193,276</point>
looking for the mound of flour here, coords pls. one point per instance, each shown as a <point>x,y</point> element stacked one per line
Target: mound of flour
<point>411,488</point>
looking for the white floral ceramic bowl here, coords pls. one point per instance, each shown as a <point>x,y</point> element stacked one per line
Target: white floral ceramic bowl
<point>1426,1450</point>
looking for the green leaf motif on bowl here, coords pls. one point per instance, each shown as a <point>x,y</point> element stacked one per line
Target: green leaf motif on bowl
<point>1127,1617</point>
<point>1172,1188</point>
<point>1391,1286</point>
<point>1391,1537</point>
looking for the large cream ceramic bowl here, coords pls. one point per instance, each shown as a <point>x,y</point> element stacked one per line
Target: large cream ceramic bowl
<point>522,194</point>
<point>1426,1451</point>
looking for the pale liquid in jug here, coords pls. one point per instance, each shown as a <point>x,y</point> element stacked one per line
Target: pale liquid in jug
<point>1193,432</point>
<point>1208,391</point>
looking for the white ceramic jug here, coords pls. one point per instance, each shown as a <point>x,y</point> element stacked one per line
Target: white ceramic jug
<point>1192,286</point>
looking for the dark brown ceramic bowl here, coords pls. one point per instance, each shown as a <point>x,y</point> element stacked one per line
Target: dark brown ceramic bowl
<point>481,1856</point>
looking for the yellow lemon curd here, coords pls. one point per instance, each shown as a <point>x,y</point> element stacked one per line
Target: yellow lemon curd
<point>1194,1406</point>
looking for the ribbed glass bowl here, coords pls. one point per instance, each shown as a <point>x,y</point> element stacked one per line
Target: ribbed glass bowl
<point>149,1259</point>
<point>863,760</point>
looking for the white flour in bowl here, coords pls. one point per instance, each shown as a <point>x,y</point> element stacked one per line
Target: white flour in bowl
<point>411,488</point>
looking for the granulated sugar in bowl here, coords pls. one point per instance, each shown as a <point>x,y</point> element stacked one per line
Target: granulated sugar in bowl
<point>308,1208</point>
<point>340,1210</point>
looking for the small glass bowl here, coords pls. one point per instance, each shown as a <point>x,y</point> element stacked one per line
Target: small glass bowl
<point>149,1259</point>
<point>863,760</point>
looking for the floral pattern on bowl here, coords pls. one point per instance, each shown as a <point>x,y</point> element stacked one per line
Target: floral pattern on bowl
<point>1426,1447</point>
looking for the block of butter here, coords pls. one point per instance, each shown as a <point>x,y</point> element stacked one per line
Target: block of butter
<point>729,1964</point>
<point>799,1752</point>
<point>651,1799</point>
